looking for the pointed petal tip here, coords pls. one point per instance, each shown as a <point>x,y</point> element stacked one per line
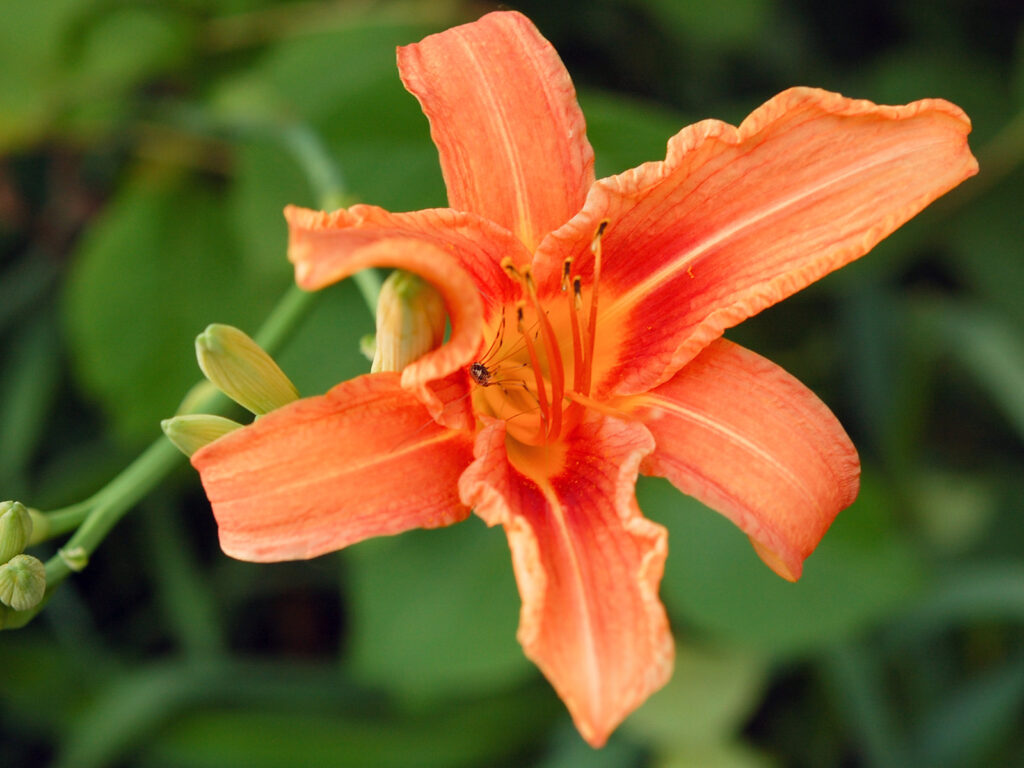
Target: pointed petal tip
<point>587,564</point>
<point>790,569</point>
<point>746,438</point>
<point>504,117</point>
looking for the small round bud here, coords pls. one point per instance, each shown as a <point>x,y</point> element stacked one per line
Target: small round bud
<point>410,321</point>
<point>239,368</point>
<point>22,582</point>
<point>368,346</point>
<point>75,558</point>
<point>15,529</point>
<point>191,432</point>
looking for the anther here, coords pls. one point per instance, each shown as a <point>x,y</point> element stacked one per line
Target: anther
<point>511,269</point>
<point>566,270</point>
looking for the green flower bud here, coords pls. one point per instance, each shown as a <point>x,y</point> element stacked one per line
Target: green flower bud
<point>239,368</point>
<point>75,558</point>
<point>410,321</point>
<point>22,582</point>
<point>368,346</point>
<point>15,529</point>
<point>191,432</point>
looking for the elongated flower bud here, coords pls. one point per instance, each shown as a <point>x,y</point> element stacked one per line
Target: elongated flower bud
<point>15,529</point>
<point>410,321</point>
<point>191,432</point>
<point>239,368</point>
<point>22,582</point>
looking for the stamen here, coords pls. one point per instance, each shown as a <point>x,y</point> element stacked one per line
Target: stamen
<point>575,304</point>
<point>566,270</point>
<point>542,395</point>
<point>554,357</point>
<point>595,248</point>
<point>511,269</point>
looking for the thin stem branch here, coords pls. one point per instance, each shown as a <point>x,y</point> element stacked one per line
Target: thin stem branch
<point>95,516</point>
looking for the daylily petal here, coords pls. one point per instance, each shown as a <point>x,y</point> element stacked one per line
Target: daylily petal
<point>504,117</point>
<point>366,459</point>
<point>736,219</point>
<point>587,565</point>
<point>323,244</point>
<point>750,441</point>
<point>313,247</point>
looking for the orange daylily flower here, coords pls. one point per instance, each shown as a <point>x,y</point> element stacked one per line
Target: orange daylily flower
<point>586,347</point>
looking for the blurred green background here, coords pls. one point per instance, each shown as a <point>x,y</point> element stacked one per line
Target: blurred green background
<point>146,151</point>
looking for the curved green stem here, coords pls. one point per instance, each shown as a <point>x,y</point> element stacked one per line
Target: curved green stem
<point>325,177</point>
<point>98,514</point>
<point>93,518</point>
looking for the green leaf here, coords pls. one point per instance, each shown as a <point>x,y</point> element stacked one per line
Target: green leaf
<point>626,132</point>
<point>968,594</point>
<point>434,613</point>
<point>568,750</point>
<point>711,693</point>
<point>265,180</point>
<point>954,510</point>
<point>155,269</point>
<point>968,722</point>
<point>988,345</point>
<point>127,45</point>
<point>859,574</point>
<point>371,124</point>
<point>984,240</point>
<point>325,348</point>
<point>258,737</point>
<point>31,50</point>
<point>28,385</point>
<point>713,26</point>
<point>729,755</point>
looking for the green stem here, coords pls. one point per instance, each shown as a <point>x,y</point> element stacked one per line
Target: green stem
<point>46,525</point>
<point>98,514</point>
<point>95,516</point>
<point>328,185</point>
<point>111,503</point>
<point>311,154</point>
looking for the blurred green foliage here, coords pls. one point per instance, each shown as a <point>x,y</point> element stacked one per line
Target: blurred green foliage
<point>146,159</point>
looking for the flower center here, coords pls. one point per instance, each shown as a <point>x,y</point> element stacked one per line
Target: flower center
<point>522,377</point>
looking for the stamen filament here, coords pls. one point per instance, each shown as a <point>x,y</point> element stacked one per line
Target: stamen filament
<point>575,304</point>
<point>554,358</point>
<point>595,248</point>
<point>542,395</point>
<point>583,401</point>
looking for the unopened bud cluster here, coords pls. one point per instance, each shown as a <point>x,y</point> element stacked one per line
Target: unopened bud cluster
<point>22,577</point>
